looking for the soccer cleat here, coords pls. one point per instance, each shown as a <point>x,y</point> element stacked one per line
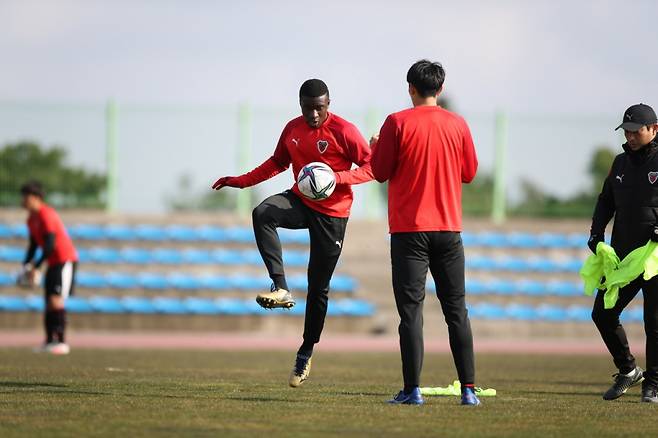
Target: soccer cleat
<point>623,382</point>
<point>469,398</point>
<point>649,394</point>
<point>275,298</point>
<point>413,398</point>
<point>58,348</point>
<point>300,371</point>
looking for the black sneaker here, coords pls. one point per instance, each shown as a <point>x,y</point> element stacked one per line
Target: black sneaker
<point>623,382</point>
<point>649,394</point>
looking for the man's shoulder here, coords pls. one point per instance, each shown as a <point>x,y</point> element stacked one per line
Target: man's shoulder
<point>294,123</point>
<point>337,122</point>
<point>434,112</point>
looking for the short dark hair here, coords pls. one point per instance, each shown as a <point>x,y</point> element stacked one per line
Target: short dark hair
<point>427,77</point>
<point>33,187</point>
<point>313,88</point>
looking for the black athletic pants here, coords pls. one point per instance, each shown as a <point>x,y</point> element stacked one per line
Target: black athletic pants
<point>286,210</point>
<point>613,334</point>
<point>411,256</point>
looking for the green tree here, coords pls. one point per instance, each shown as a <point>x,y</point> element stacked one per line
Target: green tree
<point>188,199</point>
<point>599,166</point>
<point>65,186</point>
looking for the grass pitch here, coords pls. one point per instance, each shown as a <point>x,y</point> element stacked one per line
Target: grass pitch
<point>200,393</point>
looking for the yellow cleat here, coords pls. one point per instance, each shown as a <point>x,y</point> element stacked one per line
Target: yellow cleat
<point>275,298</point>
<point>300,371</point>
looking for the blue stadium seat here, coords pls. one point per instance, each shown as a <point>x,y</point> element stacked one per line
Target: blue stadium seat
<point>136,256</point>
<point>152,281</point>
<point>250,282</point>
<point>487,311</point>
<point>522,240</point>
<point>214,282</point>
<point>201,306</point>
<point>91,280</point>
<point>232,306</point>
<point>480,263</point>
<point>196,256</point>
<point>104,255</point>
<point>473,287</point>
<point>341,283</point>
<point>7,279</point>
<point>225,257</point>
<point>542,265</point>
<point>170,306</point>
<point>351,307</point>
<point>5,231</point>
<point>551,313</point>
<point>577,240</point>
<point>522,312</point>
<point>167,256</point>
<point>513,264</point>
<point>12,303</point>
<point>209,233</point>
<point>140,305</point>
<point>502,287</point>
<point>571,265</point>
<point>564,288</point>
<point>120,233</point>
<point>19,231</point>
<point>553,240</point>
<point>150,233</point>
<point>251,257</point>
<point>250,307</point>
<point>36,303</point>
<point>182,233</point>
<point>299,237</point>
<point>295,258</point>
<point>121,280</point>
<point>240,234</point>
<point>183,281</point>
<point>633,314</point>
<point>87,232</point>
<point>531,287</point>
<point>106,304</point>
<point>579,313</point>
<point>491,239</point>
<point>78,305</point>
<point>12,254</point>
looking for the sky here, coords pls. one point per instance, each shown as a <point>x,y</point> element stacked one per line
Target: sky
<point>542,62</point>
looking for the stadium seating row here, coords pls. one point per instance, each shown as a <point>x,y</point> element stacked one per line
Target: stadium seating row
<point>521,287</point>
<point>166,256</point>
<point>211,233</point>
<point>177,306</point>
<point>181,281</point>
<point>544,312</point>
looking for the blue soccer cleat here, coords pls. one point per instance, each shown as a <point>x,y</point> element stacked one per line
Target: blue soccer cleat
<point>469,398</point>
<point>413,398</point>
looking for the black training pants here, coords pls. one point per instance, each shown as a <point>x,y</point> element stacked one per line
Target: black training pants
<point>286,210</point>
<point>443,253</point>
<point>613,334</point>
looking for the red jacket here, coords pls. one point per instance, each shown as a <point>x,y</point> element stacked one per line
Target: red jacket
<point>47,221</point>
<point>425,153</point>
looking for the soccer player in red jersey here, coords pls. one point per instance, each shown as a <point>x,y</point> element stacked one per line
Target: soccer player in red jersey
<point>317,135</point>
<point>426,153</point>
<point>47,231</point>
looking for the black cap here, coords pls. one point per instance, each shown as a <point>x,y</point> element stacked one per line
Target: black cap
<point>638,116</point>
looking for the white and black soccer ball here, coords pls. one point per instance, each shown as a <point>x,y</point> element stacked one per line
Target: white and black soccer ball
<point>316,181</point>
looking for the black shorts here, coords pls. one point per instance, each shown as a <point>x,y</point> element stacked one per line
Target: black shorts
<point>60,279</point>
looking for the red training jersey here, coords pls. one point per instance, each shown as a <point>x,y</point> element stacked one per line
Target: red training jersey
<point>336,143</point>
<point>47,221</point>
<point>426,153</point>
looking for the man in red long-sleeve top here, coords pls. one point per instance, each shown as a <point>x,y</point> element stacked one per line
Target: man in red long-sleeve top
<point>426,153</point>
<point>317,135</point>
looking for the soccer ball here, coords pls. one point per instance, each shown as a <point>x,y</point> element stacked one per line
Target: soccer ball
<point>316,181</point>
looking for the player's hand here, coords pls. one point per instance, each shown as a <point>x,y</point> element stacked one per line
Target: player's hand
<point>373,141</point>
<point>654,233</point>
<point>594,240</point>
<point>225,181</point>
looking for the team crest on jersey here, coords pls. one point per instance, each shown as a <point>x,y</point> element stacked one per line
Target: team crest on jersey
<point>323,145</point>
<point>653,177</point>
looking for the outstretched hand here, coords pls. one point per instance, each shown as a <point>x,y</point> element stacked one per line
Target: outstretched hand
<point>373,140</point>
<point>225,181</point>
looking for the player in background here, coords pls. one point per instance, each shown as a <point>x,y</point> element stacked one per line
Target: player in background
<point>317,135</point>
<point>47,231</point>
<point>630,194</point>
<point>426,153</point>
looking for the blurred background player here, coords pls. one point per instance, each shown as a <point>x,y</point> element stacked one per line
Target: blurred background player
<point>426,153</point>
<point>317,135</point>
<point>630,193</point>
<point>47,231</point>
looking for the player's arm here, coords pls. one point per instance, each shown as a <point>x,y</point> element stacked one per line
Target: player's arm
<point>384,154</point>
<point>603,212</point>
<point>469,156</point>
<point>358,153</point>
<point>273,166</point>
<point>47,249</point>
<point>30,252</point>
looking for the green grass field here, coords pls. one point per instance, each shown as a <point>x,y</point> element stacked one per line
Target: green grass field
<point>194,393</point>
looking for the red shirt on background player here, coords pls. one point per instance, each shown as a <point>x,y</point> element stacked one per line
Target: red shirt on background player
<point>46,231</point>
<point>315,136</point>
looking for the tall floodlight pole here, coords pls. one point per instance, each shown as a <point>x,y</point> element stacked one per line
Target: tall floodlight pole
<point>498,210</point>
<point>111,155</point>
<point>243,155</point>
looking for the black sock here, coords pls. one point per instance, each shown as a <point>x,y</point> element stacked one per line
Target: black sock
<point>626,370</point>
<point>280,282</point>
<point>60,327</point>
<point>49,325</point>
<point>408,388</point>
<point>306,349</point>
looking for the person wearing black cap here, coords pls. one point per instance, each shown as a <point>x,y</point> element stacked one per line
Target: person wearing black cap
<point>630,193</point>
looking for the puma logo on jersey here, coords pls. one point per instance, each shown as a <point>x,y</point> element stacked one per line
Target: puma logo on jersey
<point>339,244</point>
<point>296,141</point>
<point>620,177</point>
